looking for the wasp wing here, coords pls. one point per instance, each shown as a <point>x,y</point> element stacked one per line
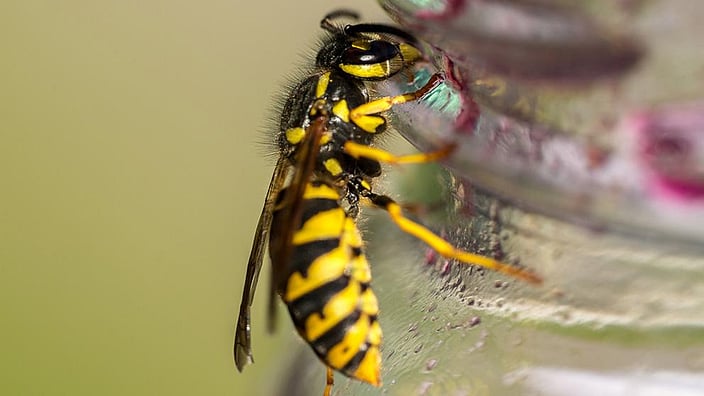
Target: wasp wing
<point>293,203</point>
<point>243,338</point>
<point>291,208</point>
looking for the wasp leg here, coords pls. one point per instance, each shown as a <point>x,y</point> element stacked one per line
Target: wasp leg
<point>366,116</point>
<point>329,382</point>
<point>385,103</point>
<point>443,247</point>
<point>357,150</point>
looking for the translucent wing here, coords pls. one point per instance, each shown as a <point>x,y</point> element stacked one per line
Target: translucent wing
<point>292,205</point>
<point>243,340</point>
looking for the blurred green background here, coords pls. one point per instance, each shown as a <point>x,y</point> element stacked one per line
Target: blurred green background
<point>132,179</point>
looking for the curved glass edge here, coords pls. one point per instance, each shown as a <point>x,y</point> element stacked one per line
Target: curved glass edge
<point>636,168</point>
<point>627,188</point>
<point>546,41</point>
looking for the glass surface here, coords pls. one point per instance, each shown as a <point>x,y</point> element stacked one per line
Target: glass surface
<point>614,142</point>
<point>580,155</point>
<point>616,315</point>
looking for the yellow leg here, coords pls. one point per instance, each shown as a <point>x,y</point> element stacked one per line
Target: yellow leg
<point>440,245</point>
<point>382,104</point>
<point>379,105</point>
<point>330,381</point>
<point>361,113</point>
<point>443,247</point>
<point>357,150</point>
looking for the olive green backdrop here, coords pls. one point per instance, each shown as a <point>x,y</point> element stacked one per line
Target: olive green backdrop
<point>131,181</point>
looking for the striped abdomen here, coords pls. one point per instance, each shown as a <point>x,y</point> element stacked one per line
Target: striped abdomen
<point>327,290</point>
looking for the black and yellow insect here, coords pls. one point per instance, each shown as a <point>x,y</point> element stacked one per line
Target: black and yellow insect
<point>328,125</point>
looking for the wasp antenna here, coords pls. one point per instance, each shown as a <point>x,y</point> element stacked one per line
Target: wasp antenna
<point>328,21</point>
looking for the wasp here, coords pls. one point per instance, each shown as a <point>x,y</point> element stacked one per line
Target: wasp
<point>325,171</point>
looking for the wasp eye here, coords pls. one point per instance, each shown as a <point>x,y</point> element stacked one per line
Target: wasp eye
<point>368,52</point>
<point>373,59</point>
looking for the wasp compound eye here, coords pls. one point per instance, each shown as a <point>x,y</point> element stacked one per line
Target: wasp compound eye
<point>372,59</point>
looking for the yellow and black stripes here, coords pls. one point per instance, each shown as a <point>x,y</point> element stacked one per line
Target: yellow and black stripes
<point>327,128</point>
<point>327,291</point>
